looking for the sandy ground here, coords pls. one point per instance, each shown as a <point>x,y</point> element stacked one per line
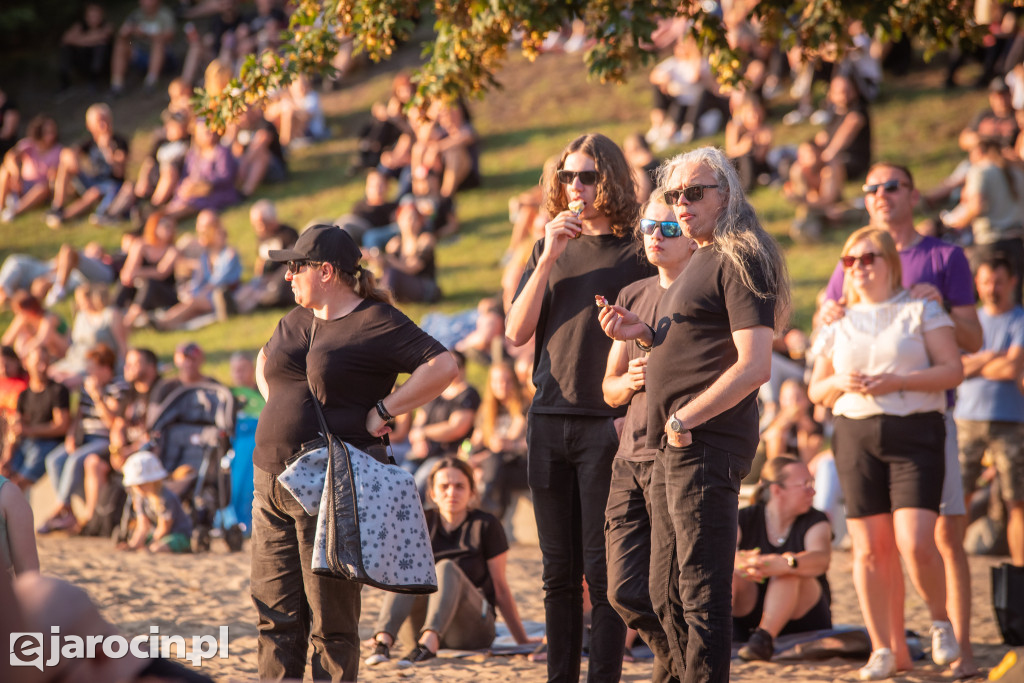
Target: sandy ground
<point>196,594</point>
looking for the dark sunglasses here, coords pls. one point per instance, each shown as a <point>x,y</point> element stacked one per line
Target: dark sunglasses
<point>693,193</point>
<point>865,260</point>
<point>889,186</point>
<point>295,267</point>
<point>586,177</point>
<point>668,229</point>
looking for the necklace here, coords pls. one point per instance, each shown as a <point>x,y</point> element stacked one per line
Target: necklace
<point>772,525</point>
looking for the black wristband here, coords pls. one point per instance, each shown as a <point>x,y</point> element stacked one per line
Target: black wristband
<point>383,412</point>
<point>644,347</point>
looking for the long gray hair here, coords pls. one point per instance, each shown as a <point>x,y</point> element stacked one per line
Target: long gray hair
<point>739,235</point>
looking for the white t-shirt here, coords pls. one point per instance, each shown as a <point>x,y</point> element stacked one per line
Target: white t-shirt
<point>884,338</point>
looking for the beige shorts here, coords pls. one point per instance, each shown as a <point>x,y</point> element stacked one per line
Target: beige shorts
<point>1004,442</point>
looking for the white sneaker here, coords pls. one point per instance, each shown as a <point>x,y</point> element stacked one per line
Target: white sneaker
<point>881,665</point>
<point>54,296</point>
<point>945,649</point>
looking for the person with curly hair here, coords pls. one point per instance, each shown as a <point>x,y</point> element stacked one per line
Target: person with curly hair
<point>587,252</point>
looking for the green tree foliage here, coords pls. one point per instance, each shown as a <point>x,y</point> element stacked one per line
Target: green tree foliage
<point>472,37</point>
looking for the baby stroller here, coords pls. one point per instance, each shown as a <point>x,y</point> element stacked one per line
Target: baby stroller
<point>191,432</point>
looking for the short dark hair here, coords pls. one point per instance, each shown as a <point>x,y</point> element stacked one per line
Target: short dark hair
<point>996,262</point>
<point>899,167</point>
<point>147,356</point>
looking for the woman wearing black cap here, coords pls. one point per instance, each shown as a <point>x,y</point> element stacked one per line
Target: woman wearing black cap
<point>349,340</point>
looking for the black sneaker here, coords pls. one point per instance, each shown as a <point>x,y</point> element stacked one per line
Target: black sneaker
<point>381,654</point>
<point>759,647</point>
<point>419,654</point>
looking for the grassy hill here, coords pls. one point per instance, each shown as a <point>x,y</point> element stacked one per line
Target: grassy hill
<point>542,106</point>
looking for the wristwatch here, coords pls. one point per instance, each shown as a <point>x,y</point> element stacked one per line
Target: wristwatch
<point>676,425</point>
<point>791,561</point>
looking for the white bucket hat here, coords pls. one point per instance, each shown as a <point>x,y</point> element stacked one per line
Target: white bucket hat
<point>142,468</point>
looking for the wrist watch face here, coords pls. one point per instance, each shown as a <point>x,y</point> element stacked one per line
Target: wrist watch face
<point>675,425</point>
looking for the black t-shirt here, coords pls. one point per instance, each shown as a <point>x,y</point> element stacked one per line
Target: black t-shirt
<point>441,409</point>
<point>641,298</point>
<point>36,408</point>
<point>571,349</point>
<point>753,534</point>
<point>283,238</point>
<point>97,164</point>
<point>353,363</point>
<point>377,216</point>
<point>470,545</point>
<point>693,346</point>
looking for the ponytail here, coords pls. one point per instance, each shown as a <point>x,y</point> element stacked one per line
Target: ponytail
<point>364,284</point>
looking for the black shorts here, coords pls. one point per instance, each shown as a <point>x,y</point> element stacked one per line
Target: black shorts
<point>817,618</point>
<point>887,462</point>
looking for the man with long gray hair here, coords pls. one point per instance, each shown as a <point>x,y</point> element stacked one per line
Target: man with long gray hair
<point>710,351</point>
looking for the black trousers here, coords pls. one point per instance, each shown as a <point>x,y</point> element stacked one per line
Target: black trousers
<point>694,515</point>
<point>296,606</point>
<point>570,465</point>
<point>627,532</point>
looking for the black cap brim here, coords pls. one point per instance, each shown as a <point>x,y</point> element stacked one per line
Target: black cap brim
<point>283,255</point>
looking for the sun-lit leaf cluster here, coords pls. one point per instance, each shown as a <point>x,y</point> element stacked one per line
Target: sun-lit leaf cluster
<point>473,37</point>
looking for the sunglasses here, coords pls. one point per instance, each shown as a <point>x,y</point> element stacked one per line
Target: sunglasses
<point>668,229</point>
<point>295,267</point>
<point>586,177</point>
<point>865,260</point>
<point>693,193</point>
<point>889,186</point>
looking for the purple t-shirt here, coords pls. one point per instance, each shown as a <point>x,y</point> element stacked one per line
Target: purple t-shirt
<point>933,261</point>
<point>930,260</point>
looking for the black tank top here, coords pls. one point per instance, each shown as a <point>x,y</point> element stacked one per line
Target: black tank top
<point>754,534</point>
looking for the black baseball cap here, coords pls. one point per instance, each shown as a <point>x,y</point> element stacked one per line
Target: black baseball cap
<point>323,244</point>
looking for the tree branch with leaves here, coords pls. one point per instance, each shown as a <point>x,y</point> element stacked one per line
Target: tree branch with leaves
<point>472,38</point>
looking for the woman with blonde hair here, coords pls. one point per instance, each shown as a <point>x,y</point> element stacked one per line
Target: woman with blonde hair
<point>884,368</point>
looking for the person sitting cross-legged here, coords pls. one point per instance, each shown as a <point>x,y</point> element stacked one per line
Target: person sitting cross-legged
<point>779,584</point>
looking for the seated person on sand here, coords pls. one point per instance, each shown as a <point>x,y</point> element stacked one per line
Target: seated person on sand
<point>98,409</point>
<point>38,425</point>
<point>267,288</point>
<point>94,169</point>
<point>161,525</point>
<point>147,278</point>
<point>779,584</point>
<point>407,263</point>
<point>217,274</point>
<point>207,177</point>
<point>470,550</point>
<point>30,169</point>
